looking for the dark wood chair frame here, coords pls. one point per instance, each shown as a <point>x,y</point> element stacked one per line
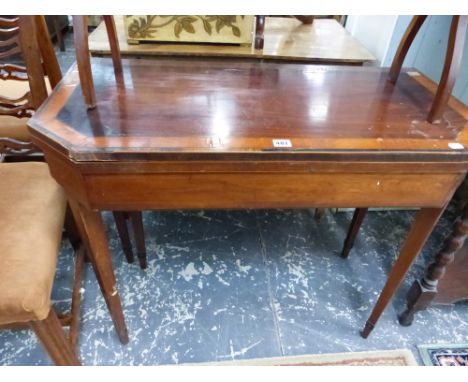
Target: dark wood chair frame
<point>39,56</point>
<point>451,69</point>
<point>62,348</point>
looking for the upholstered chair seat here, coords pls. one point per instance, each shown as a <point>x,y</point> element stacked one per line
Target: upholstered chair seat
<point>32,211</point>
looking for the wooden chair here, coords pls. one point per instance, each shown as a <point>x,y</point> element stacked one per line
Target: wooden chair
<point>32,205</point>
<point>122,218</point>
<point>452,65</point>
<point>24,89</point>
<point>32,211</point>
<point>28,90</point>
<point>451,69</point>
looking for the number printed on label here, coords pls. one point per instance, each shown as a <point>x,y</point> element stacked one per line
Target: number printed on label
<point>456,146</point>
<point>282,143</point>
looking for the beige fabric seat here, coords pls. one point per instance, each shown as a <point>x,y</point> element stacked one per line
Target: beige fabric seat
<point>13,127</point>
<point>32,211</point>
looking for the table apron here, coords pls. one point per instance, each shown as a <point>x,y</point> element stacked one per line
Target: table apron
<point>266,190</point>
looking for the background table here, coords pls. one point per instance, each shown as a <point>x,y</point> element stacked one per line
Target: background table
<point>287,39</point>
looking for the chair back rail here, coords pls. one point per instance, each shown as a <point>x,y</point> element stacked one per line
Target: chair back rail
<point>28,36</point>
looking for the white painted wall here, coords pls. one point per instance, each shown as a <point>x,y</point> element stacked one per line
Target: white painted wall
<point>374,32</point>
<point>382,34</point>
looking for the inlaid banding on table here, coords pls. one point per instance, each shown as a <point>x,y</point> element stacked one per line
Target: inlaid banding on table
<point>243,109</point>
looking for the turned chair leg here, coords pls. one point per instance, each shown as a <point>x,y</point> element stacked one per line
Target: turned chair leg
<point>259,32</point>
<point>404,46</point>
<point>53,338</point>
<point>452,65</point>
<point>120,222</point>
<point>422,292</point>
<point>356,223</point>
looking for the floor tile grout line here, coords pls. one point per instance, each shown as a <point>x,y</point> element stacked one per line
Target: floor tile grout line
<point>270,292</point>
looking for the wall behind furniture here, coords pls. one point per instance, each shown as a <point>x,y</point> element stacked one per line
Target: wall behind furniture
<point>374,32</point>
<point>427,53</point>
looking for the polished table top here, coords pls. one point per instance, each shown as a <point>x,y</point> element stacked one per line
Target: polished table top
<point>200,134</point>
<point>237,109</point>
<point>287,39</point>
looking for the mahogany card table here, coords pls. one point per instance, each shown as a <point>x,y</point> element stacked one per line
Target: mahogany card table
<point>208,134</point>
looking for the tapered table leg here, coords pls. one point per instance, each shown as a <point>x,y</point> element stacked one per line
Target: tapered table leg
<point>358,217</point>
<point>422,227</point>
<point>139,234</point>
<point>121,224</point>
<point>92,231</point>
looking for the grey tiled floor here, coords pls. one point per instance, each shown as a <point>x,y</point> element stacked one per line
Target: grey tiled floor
<point>247,284</point>
<point>226,285</point>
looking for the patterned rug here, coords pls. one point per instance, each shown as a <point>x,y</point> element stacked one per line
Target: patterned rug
<point>444,354</point>
<point>399,357</point>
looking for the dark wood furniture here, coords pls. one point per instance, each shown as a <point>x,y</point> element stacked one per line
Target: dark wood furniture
<point>259,32</point>
<point>452,66</point>
<point>260,28</point>
<point>133,219</point>
<point>32,210</point>
<point>24,89</point>
<point>236,134</point>
<point>434,287</point>
<point>82,44</point>
<point>80,25</point>
<point>453,286</point>
<point>56,25</point>
<point>286,39</point>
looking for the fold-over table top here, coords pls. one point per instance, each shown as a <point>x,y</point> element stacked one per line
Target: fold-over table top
<point>210,109</point>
